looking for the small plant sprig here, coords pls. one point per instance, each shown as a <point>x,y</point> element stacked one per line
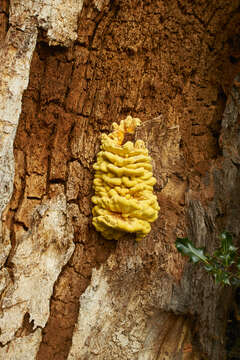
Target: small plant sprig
<point>224,264</point>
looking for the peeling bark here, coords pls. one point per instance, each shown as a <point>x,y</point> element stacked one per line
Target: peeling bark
<point>16,56</point>
<point>25,347</point>
<point>57,17</point>
<point>37,262</point>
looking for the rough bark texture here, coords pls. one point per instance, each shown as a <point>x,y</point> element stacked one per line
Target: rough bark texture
<point>15,53</point>
<point>66,293</point>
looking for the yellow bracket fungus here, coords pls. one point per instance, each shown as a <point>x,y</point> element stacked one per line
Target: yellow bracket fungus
<point>123,183</point>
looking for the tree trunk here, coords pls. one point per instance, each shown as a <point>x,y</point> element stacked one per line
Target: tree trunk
<point>66,292</point>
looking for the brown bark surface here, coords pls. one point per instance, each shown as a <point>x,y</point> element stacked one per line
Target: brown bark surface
<point>172,64</point>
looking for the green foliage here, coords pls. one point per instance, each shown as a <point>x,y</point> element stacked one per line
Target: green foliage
<point>224,264</point>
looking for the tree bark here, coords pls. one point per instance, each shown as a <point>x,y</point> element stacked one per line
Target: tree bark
<point>66,292</point>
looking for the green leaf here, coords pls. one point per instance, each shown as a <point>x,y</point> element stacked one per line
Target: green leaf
<point>227,259</point>
<point>186,247</point>
<point>222,277</point>
<point>227,252</point>
<point>226,281</point>
<point>226,243</point>
<point>224,265</point>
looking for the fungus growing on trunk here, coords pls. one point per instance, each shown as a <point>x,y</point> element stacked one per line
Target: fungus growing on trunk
<point>123,183</point>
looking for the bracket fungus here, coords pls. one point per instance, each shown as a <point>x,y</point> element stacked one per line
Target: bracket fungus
<point>124,201</point>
